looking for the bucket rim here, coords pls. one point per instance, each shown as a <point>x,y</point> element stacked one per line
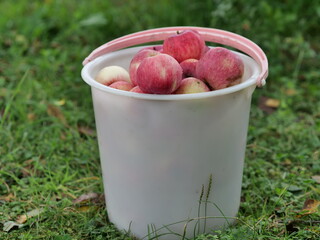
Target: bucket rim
<point>251,81</point>
<point>208,34</point>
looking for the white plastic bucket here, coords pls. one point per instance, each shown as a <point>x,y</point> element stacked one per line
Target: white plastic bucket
<point>161,153</point>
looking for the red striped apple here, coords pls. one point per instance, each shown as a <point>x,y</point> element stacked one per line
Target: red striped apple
<point>184,45</point>
<point>159,74</point>
<point>137,59</point>
<point>220,68</point>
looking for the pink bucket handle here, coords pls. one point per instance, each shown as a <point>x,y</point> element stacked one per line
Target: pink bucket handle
<point>209,34</point>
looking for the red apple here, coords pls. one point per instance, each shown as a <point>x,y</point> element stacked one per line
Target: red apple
<point>137,59</point>
<point>184,45</point>
<point>122,85</point>
<point>160,74</point>
<point>192,85</point>
<point>220,68</point>
<point>111,74</point>
<point>189,67</point>
<point>136,89</point>
<point>205,50</point>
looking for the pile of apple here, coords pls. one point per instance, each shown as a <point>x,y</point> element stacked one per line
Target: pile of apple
<point>183,64</point>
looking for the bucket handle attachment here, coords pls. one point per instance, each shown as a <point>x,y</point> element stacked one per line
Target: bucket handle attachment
<point>208,34</point>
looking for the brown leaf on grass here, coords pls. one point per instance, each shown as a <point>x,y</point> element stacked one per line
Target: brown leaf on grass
<point>96,198</point>
<point>54,111</point>
<point>268,105</point>
<point>310,206</point>
<point>7,198</point>
<point>86,131</point>
<point>88,202</point>
<point>316,178</point>
<point>85,197</point>
<point>86,208</point>
<point>31,117</point>
<point>273,103</point>
<point>290,92</point>
<point>33,213</point>
<point>19,223</point>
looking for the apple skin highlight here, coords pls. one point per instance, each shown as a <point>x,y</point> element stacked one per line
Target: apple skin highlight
<point>160,74</point>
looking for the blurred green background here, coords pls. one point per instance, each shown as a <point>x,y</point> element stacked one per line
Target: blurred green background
<point>48,149</point>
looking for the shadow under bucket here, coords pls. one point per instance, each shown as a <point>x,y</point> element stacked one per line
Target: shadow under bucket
<point>172,163</point>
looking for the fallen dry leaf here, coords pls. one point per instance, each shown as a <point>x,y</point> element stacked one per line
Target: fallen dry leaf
<point>88,202</point>
<point>310,206</point>
<point>268,105</point>
<point>23,218</point>
<point>31,116</point>
<point>7,198</point>
<point>54,111</point>
<point>19,223</point>
<point>291,92</point>
<point>273,103</point>
<point>316,178</point>
<point>89,197</point>
<point>86,131</point>
<point>86,208</point>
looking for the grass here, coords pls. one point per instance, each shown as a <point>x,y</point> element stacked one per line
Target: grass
<point>48,150</point>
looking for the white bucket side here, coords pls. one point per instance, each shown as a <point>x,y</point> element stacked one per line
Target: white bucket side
<point>157,151</point>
